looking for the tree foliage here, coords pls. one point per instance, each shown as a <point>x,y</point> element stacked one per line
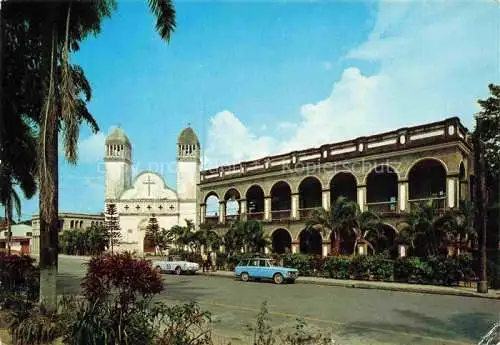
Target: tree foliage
<point>112,225</point>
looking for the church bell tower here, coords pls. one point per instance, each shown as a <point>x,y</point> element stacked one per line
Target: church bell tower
<point>188,164</point>
<point>118,163</point>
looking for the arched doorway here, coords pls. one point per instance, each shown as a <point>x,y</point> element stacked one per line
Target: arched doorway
<point>382,190</point>
<point>343,184</point>
<point>281,241</point>
<point>145,243</point>
<point>427,183</point>
<point>281,200</point>
<point>310,195</point>
<point>255,202</point>
<point>311,242</point>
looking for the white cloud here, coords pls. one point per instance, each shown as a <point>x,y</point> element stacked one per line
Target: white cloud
<point>435,59</point>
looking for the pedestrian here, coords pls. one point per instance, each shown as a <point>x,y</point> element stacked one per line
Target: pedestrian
<point>209,261</point>
<point>204,261</point>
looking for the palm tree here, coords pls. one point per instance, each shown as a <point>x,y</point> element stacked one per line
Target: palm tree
<point>424,230</point>
<point>343,218</point>
<point>9,199</point>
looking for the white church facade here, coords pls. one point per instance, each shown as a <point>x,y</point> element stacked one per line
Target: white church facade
<point>137,198</point>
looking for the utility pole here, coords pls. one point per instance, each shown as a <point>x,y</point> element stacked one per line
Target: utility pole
<point>480,211</point>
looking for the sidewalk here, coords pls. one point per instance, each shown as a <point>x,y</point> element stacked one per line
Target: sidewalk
<point>402,287</point>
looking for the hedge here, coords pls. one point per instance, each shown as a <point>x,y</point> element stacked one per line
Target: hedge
<point>435,270</point>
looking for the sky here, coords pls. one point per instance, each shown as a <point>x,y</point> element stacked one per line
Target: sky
<point>257,78</point>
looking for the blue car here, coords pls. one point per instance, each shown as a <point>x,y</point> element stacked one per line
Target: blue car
<point>262,268</point>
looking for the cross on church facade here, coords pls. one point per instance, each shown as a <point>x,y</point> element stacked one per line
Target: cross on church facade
<point>171,207</point>
<point>149,183</point>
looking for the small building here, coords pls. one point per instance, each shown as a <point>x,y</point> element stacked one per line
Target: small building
<point>21,239</point>
<point>67,221</point>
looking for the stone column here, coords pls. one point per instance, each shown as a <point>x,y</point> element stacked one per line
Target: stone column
<point>403,196</point>
<point>203,208</point>
<point>295,206</point>
<point>362,197</point>
<point>222,212</point>
<point>267,208</point>
<point>325,249</point>
<point>325,200</point>
<point>243,209</point>
<point>451,191</point>
<point>295,247</point>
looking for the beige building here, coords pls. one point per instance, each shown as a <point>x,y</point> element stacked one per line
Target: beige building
<point>67,221</point>
<point>388,173</point>
<point>20,241</point>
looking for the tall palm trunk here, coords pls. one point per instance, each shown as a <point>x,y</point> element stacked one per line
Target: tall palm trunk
<point>48,171</point>
<point>8,218</point>
<point>481,214</point>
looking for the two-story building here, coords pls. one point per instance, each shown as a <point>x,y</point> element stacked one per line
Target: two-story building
<point>388,173</point>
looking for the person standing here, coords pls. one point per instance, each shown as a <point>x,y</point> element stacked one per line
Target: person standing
<point>214,261</point>
<point>209,261</point>
<point>204,260</point>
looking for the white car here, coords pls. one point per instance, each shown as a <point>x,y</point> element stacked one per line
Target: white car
<point>175,265</point>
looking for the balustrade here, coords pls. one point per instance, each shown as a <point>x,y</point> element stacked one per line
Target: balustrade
<point>280,215</point>
<point>439,203</point>
<point>255,216</point>
<point>307,213</point>
<point>384,207</point>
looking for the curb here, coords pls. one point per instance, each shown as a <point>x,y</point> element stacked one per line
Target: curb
<point>363,285</point>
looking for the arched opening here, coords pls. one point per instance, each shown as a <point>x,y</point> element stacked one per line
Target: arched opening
<point>148,246</point>
<point>281,201</point>
<point>382,190</point>
<point>344,185</point>
<point>427,184</point>
<point>311,242</point>
<point>281,241</point>
<point>384,241</point>
<point>232,202</point>
<point>310,192</point>
<point>255,202</point>
<point>462,176</point>
<point>212,208</point>
<point>344,245</point>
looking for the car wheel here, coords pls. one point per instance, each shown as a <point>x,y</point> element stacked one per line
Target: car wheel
<point>158,269</point>
<point>178,270</point>
<point>245,277</point>
<point>278,278</point>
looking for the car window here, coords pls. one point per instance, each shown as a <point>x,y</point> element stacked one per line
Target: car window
<point>264,263</point>
<point>254,263</point>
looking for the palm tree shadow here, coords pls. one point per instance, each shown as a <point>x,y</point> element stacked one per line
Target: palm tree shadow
<point>466,327</point>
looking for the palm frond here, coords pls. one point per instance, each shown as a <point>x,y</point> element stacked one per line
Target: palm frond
<point>164,12</point>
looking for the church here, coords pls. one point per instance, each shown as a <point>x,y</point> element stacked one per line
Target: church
<point>137,198</point>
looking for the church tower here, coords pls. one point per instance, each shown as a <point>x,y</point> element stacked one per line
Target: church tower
<point>188,172</point>
<point>188,164</point>
<point>118,163</point>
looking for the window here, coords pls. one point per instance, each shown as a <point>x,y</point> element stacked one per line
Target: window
<point>130,231</point>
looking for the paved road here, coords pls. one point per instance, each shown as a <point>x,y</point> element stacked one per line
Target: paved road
<point>352,316</point>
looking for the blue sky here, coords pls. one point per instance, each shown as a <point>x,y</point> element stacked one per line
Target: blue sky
<point>258,78</point>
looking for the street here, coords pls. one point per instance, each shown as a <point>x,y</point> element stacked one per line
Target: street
<point>352,316</point>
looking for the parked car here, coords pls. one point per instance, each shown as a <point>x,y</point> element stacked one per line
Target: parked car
<point>262,268</point>
<point>175,264</point>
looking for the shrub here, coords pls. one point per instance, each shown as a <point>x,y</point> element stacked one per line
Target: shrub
<point>360,267</point>
<point>117,308</point>
<point>19,280</point>
<point>185,324</point>
<point>301,262</point>
<point>337,267</point>
<point>381,267</point>
<point>409,269</point>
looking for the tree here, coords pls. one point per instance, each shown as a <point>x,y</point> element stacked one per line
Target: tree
<point>57,28</point>
<point>112,225</point>
<point>182,235</point>
<point>247,235</point>
<point>486,139</point>
<point>343,218</point>
<point>156,236</point>
<point>9,199</point>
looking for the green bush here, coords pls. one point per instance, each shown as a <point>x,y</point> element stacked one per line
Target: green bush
<point>410,269</point>
<point>337,267</point>
<point>19,281</point>
<point>301,262</point>
<point>360,267</point>
<point>381,267</point>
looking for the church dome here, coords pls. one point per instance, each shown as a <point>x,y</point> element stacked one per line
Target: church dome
<point>118,137</point>
<point>188,137</point>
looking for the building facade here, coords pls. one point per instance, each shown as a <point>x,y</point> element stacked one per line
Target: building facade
<point>388,173</point>
<point>67,221</point>
<point>20,241</point>
<point>147,194</point>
